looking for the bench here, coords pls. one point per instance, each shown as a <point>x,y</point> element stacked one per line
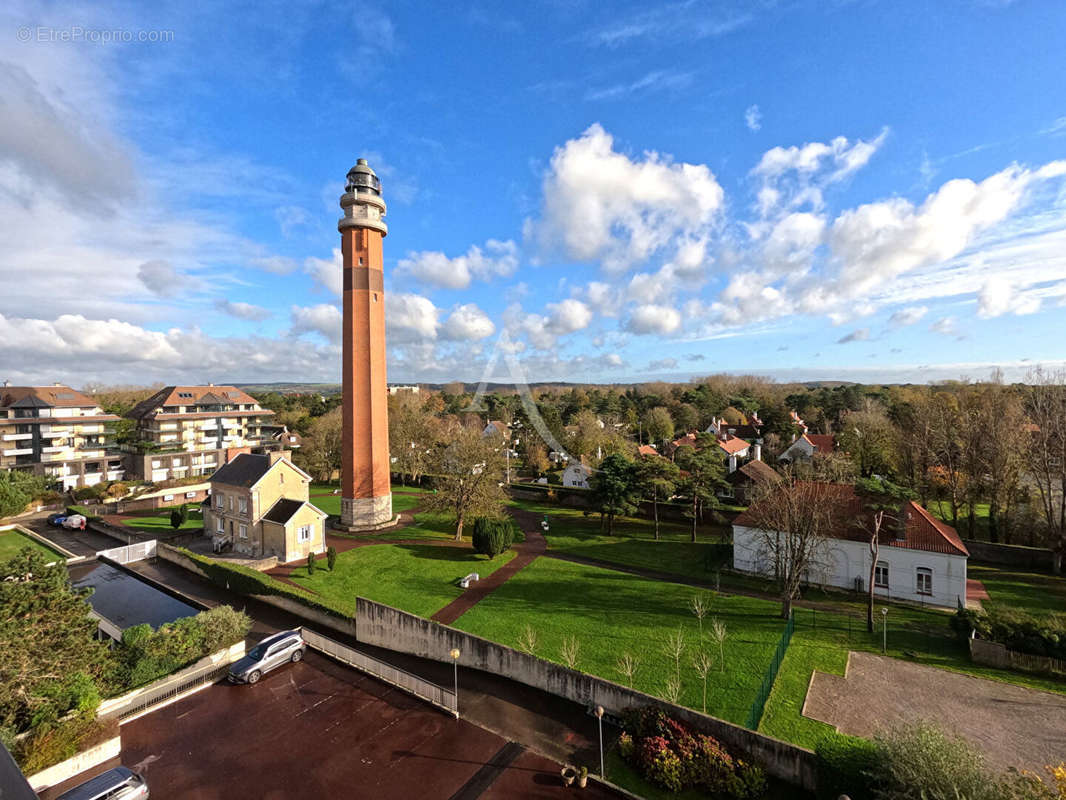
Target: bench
<point>464,583</point>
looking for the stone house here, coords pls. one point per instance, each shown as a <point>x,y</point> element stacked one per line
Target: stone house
<point>259,506</point>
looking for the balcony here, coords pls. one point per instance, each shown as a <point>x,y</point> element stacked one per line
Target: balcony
<point>24,451</point>
<point>115,474</point>
<point>56,433</point>
<point>57,448</point>
<point>16,437</point>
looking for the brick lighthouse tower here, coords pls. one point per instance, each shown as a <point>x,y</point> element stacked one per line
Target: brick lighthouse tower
<point>366,495</point>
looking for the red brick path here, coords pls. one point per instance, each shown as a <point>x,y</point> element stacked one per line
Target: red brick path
<point>528,551</point>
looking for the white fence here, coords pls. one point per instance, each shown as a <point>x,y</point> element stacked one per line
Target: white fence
<point>129,553</point>
<point>412,684</point>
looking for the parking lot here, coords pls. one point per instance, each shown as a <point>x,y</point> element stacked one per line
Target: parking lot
<point>318,729</point>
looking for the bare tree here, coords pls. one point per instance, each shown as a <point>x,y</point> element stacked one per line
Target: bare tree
<point>627,665</point>
<point>1003,454</point>
<point>471,469</point>
<point>792,521</point>
<point>527,642</point>
<point>875,548</point>
<point>413,435</point>
<point>947,449</point>
<point>699,609</point>
<point>1047,462</point>
<point>569,651</point>
<point>675,648</point>
<point>718,636</point>
<point>702,664</point>
<point>324,445</point>
<point>672,690</point>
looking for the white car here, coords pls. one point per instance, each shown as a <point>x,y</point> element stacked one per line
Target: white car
<point>75,522</point>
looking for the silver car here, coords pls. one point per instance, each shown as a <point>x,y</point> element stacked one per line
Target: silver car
<point>270,653</point>
<point>119,783</point>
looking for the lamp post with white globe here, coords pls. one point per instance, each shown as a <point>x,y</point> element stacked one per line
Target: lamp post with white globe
<point>599,722</point>
<point>454,653</point>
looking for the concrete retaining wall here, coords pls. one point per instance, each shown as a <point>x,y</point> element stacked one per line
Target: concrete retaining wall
<point>64,770</point>
<point>310,615</point>
<point>391,628</point>
<point>1011,555</point>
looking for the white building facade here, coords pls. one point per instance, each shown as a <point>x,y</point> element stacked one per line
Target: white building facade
<point>925,565</point>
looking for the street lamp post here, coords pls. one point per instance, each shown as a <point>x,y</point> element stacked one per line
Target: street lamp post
<point>599,722</point>
<point>454,653</point>
<point>884,630</point>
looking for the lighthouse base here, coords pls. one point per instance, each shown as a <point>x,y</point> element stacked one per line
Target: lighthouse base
<point>366,514</point>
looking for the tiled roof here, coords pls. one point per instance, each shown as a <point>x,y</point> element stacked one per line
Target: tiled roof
<point>191,396</point>
<point>245,470</point>
<point>647,450</point>
<point>733,445</point>
<point>43,397</point>
<point>282,511</point>
<point>852,520</point>
<point>756,472</point>
<point>823,442</point>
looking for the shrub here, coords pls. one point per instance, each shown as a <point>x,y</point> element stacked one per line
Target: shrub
<point>492,536</point>
<point>223,626</point>
<point>247,581</point>
<point>331,557</point>
<point>50,744</point>
<point>670,754</point>
<point>310,563</point>
<point>184,509</point>
<point>175,519</point>
<point>920,760</point>
<point>843,766</point>
<point>1015,628</point>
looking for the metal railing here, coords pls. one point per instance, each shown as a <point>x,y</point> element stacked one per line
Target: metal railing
<point>756,710</point>
<point>165,691</point>
<point>129,553</point>
<point>412,684</point>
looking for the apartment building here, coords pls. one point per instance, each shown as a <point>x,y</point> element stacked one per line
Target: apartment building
<point>58,433</point>
<point>185,431</point>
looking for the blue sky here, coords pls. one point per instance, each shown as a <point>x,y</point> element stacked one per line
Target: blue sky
<point>577,191</point>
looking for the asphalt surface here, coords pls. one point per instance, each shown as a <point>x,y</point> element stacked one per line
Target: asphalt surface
<point>317,729</point>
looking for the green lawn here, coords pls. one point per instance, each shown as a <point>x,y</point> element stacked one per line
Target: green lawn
<point>418,578</point>
<point>1032,591</point>
<point>160,520</point>
<point>12,541</point>
<point>612,613</point>
<point>942,509</point>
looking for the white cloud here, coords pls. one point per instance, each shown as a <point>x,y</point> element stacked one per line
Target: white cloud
<point>651,318</point>
<point>600,204</point>
<point>945,326</point>
<point>324,319</point>
<point>997,297</point>
<point>907,316</point>
<point>243,310</point>
<point>327,274</point>
<point>497,259</point>
<point>467,323</point>
<point>410,318</point>
<point>568,316</point>
<point>662,364</point>
<point>278,265</point>
<point>658,81</point>
<point>753,118</point>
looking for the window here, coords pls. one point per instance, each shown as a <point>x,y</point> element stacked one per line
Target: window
<point>303,533</point>
<point>220,501</point>
<point>220,525</point>
<point>242,505</point>
<point>925,580</point>
<point>244,531</point>
<point>167,498</point>
<point>881,574</point>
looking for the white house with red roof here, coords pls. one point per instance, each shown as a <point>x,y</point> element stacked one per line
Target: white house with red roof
<point>919,557</point>
<point>805,447</point>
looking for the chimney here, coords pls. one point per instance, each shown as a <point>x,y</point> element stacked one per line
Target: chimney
<point>277,455</point>
<point>732,463</point>
<point>756,450</point>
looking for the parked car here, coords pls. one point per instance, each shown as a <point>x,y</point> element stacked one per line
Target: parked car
<point>56,519</point>
<point>269,654</point>
<point>75,522</point>
<point>119,783</point>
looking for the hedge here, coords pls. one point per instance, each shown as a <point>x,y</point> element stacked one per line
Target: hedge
<point>1014,628</point>
<point>247,581</point>
<point>48,745</point>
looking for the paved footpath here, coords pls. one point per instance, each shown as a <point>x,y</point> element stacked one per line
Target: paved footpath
<point>528,551</point>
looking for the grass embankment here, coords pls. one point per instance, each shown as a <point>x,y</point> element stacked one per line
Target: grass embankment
<point>611,613</point>
<point>418,578</point>
<point>12,541</point>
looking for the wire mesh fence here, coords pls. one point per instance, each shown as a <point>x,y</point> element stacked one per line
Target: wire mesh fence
<point>767,685</point>
<point>896,632</point>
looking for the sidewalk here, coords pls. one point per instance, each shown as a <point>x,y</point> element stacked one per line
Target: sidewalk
<point>550,725</point>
